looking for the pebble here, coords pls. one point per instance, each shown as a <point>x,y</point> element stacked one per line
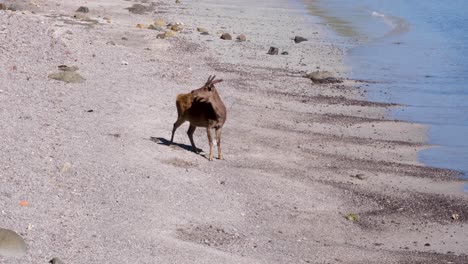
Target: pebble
<point>83,9</point>
<point>226,36</point>
<point>241,37</point>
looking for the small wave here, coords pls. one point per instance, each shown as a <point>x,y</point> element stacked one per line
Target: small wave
<point>377,14</point>
<point>398,25</point>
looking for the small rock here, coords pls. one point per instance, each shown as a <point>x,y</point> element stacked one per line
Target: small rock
<point>67,76</point>
<point>204,33</point>
<point>67,167</point>
<point>177,28</point>
<point>241,37</point>
<point>201,30</point>
<point>273,51</point>
<point>455,216</point>
<point>140,26</point>
<point>226,36</point>
<point>160,23</point>
<point>352,217</point>
<point>3,6</point>
<point>299,39</point>
<point>178,2</point>
<point>284,53</point>
<point>124,62</point>
<point>167,34</point>
<point>56,261</point>
<point>322,77</point>
<point>112,43</point>
<point>83,9</point>
<point>427,245</point>
<point>11,244</point>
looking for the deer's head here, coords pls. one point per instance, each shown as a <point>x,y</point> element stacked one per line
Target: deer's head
<point>207,89</point>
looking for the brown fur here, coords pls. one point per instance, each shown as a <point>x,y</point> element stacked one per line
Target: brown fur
<point>202,107</point>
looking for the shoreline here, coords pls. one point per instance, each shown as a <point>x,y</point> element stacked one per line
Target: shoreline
<point>103,187</point>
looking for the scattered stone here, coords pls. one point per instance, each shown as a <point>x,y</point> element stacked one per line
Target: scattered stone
<point>167,34</point>
<point>124,38</point>
<point>124,62</point>
<point>82,9</point>
<point>56,261</point>
<point>67,68</point>
<point>112,43</point>
<point>90,111</point>
<point>322,77</point>
<point>273,51</point>
<point>3,6</point>
<point>226,36</point>
<point>67,76</point>
<point>241,37</point>
<point>299,39</point>
<point>455,216</point>
<point>427,245</point>
<point>178,2</point>
<point>140,26</point>
<point>284,53</point>
<point>160,23</point>
<point>358,176</point>
<point>204,33</point>
<point>11,244</point>
<point>177,27</point>
<point>67,167</point>
<point>202,30</point>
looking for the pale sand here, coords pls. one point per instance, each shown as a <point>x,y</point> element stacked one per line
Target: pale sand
<point>102,188</point>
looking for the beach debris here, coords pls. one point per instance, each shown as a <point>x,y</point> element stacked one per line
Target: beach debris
<point>160,22</point>
<point>67,167</point>
<point>167,34</point>
<point>455,216</point>
<point>273,51</point>
<point>11,244</point>
<point>23,203</point>
<point>83,9</point>
<point>226,36</point>
<point>352,217</point>
<point>201,30</point>
<point>299,39</point>
<point>241,37</point>
<point>284,53</point>
<point>56,261</point>
<point>322,77</point>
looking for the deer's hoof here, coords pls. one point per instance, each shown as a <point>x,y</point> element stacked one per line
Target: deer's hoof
<point>220,157</point>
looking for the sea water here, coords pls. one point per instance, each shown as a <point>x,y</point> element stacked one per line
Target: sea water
<point>417,53</point>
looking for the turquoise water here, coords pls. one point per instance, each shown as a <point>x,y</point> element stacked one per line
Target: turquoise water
<point>417,51</point>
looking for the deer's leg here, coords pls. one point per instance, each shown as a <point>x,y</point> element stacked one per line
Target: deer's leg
<point>210,140</point>
<point>176,125</point>
<point>218,139</point>
<point>190,132</point>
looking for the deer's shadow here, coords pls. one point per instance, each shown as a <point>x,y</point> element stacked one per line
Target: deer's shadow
<point>163,141</point>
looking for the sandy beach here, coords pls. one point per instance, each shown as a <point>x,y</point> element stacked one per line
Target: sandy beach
<point>313,173</point>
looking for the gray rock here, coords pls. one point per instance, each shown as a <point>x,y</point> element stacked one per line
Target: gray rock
<point>56,261</point>
<point>273,51</point>
<point>204,33</point>
<point>284,53</point>
<point>299,39</point>
<point>241,37</point>
<point>226,36</point>
<point>322,77</point>
<point>83,9</point>
<point>67,68</point>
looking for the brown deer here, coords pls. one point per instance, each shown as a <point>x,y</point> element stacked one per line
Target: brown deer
<point>202,108</point>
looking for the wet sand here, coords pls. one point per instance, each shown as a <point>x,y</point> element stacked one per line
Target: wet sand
<point>102,185</point>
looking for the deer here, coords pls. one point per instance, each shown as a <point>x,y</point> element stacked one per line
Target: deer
<point>202,107</point>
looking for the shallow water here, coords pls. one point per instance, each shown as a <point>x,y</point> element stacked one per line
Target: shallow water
<point>418,52</point>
